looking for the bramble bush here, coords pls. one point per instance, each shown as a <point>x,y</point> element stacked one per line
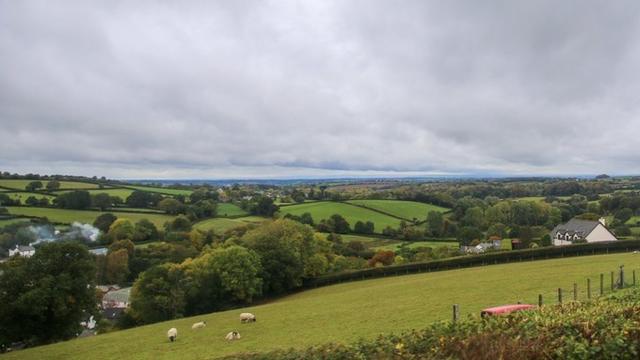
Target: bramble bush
<point>605,328</point>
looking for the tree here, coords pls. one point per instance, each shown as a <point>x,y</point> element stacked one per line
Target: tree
<point>467,234</point>
<point>158,294</point>
<point>382,257</point>
<point>263,206</point>
<point>53,185</point>
<point>339,224</point>
<point>180,223</point>
<point>53,287</point>
<point>435,223</point>
<point>101,201</point>
<point>79,199</point>
<point>121,229</point>
<point>363,228</point>
<point>33,186</point>
<point>171,206</point>
<point>32,201</point>
<point>306,218</point>
<point>143,199</point>
<point>144,230</point>
<point>104,221</point>
<point>284,247</point>
<point>117,267</point>
<point>624,215</point>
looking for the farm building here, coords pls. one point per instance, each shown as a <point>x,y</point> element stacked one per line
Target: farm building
<point>491,244</point>
<point>116,299</point>
<point>577,230</point>
<point>25,251</point>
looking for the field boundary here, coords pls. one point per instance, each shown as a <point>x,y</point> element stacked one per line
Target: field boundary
<point>501,257</point>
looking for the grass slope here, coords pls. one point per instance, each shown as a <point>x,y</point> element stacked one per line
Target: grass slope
<point>221,225</point>
<point>121,193</point>
<point>345,312</point>
<point>324,209</point>
<point>228,209</point>
<point>84,216</point>
<point>20,184</point>
<point>23,196</point>
<point>376,243</point>
<point>404,209</point>
<point>161,190</point>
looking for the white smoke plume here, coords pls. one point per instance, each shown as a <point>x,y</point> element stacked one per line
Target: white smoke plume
<point>77,231</point>
<point>83,231</point>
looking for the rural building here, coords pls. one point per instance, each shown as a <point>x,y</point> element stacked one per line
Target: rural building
<point>577,230</point>
<point>118,299</point>
<point>493,243</point>
<point>21,250</point>
<point>99,251</point>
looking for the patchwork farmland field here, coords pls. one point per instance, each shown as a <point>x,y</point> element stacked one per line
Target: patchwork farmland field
<point>370,307</point>
<point>160,190</point>
<point>230,210</point>
<point>18,184</point>
<point>23,196</point>
<point>84,216</point>
<point>221,225</point>
<point>324,209</point>
<point>376,243</point>
<point>404,209</point>
<point>119,192</point>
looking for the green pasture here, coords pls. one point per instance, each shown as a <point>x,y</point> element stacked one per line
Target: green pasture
<point>19,184</point>
<point>161,190</point>
<point>324,209</point>
<point>5,222</point>
<point>221,225</point>
<point>230,210</point>
<point>120,192</point>
<point>346,312</point>
<point>83,216</point>
<point>23,196</point>
<point>404,209</point>
<point>376,243</point>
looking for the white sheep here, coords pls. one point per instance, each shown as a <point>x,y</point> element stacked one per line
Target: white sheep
<point>199,325</point>
<point>247,317</point>
<point>234,335</point>
<point>172,334</point>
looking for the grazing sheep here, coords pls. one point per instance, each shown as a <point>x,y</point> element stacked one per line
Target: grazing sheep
<point>172,334</point>
<point>234,335</point>
<point>247,317</point>
<point>199,325</point>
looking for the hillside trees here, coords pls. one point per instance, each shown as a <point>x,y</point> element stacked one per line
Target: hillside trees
<point>53,185</point>
<point>43,297</point>
<point>102,201</point>
<point>104,221</point>
<point>78,200</point>
<point>143,199</point>
<point>33,186</point>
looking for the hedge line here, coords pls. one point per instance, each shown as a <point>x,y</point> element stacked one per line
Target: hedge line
<point>500,257</point>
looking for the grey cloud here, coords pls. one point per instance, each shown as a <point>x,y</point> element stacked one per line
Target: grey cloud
<point>222,89</point>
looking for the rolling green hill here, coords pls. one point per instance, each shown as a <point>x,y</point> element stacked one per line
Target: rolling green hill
<point>161,190</point>
<point>405,209</point>
<point>230,210</point>
<point>221,225</point>
<point>19,184</point>
<point>324,209</point>
<point>84,216</point>
<point>344,312</point>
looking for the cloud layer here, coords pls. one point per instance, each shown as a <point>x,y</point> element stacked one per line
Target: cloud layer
<point>305,88</point>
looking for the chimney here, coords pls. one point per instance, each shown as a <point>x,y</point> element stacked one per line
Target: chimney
<point>603,221</point>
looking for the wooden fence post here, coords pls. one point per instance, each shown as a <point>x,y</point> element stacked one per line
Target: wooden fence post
<point>612,286</point>
<point>601,284</point>
<point>589,288</point>
<point>621,277</point>
<point>539,299</point>
<point>559,295</point>
<point>456,312</point>
<point>575,292</point>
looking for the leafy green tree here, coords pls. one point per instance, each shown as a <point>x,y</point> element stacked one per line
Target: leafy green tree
<point>143,199</point>
<point>33,186</point>
<point>104,221</point>
<point>117,269</point>
<point>145,230</point>
<point>467,234</point>
<point>53,185</point>
<point>623,215</point>
<point>363,227</point>
<point>263,206</point>
<point>159,294</point>
<point>102,201</point>
<point>121,229</point>
<point>32,201</point>
<point>435,223</point>
<point>180,223</point>
<point>171,206</point>
<point>306,218</point>
<point>339,224</point>
<point>43,297</point>
<point>79,199</point>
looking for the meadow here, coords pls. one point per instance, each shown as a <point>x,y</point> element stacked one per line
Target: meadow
<point>119,192</point>
<point>345,312</point>
<point>18,184</point>
<point>23,196</point>
<point>83,216</point>
<point>230,210</point>
<point>161,190</point>
<point>220,225</point>
<point>408,210</point>
<point>324,209</point>
<point>376,243</point>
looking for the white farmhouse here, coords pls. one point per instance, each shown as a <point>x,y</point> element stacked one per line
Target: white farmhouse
<point>25,251</point>
<point>577,230</point>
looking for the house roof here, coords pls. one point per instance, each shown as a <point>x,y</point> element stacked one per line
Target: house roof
<point>576,226</point>
<point>25,248</point>
<point>121,295</point>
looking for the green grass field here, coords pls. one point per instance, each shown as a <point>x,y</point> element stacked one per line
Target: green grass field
<point>376,243</point>
<point>121,193</point>
<point>324,209</point>
<point>161,190</point>
<point>228,209</point>
<point>221,225</point>
<point>23,196</point>
<point>404,209</point>
<point>20,184</point>
<point>346,312</point>
<point>5,222</point>
<point>84,216</point>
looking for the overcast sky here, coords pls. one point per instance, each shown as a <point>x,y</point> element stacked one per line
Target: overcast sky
<point>258,89</point>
